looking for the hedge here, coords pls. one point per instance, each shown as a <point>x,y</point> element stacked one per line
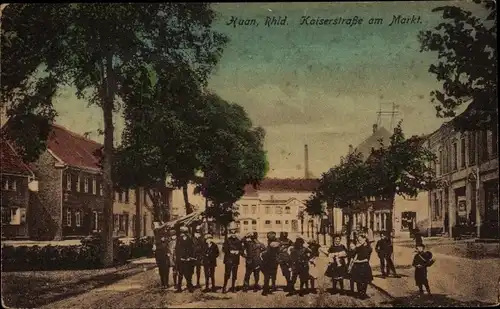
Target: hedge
<point>84,256</point>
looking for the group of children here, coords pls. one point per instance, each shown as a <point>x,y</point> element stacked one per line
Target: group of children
<point>185,254</point>
<point>353,264</point>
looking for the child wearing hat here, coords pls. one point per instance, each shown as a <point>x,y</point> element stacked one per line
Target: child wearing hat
<point>421,261</point>
<point>209,259</point>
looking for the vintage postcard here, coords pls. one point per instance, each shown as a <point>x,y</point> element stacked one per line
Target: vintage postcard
<point>246,155</point>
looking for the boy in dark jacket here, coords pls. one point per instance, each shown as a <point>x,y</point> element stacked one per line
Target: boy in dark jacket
<point>184,259</point>
<point>198,243</point>
<point>299,258</point>
<point>421,261</point>
<point>384,250</point>
<point>209,259</point>
<point>270,266</point>
<point>232,249</point>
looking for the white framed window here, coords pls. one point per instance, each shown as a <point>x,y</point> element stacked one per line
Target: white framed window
<point>96,221</point>
<point>268,210</point>
<point>287,222</point>
<point>68,181</point>
<point>68,217</point>
<point>78,183</point>
<point>245,209</point>
<point>267,223</point>
<point>6,184</point>
<point>94,186</point>
<point>279,210</point>
<point>288,210</point>
<point>86,185</point>
<point>14,185</point>
<point>78,219</point>
<point>254,209</point>
<point>245,222</point>
<point>278,222</point>
<point>11,216</point>
<point>101,190</point>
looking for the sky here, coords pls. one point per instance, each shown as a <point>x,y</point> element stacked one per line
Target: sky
<point>315,85</point>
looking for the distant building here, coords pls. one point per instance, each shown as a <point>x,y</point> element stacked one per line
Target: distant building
<point>377,214</point>
<point>276,205</point>
<point>15,179</point>
<point>467,169</point>
<point>69,202</point>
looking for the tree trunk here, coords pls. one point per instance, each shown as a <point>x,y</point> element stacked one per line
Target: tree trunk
<point>186,199</point>
<point>138,214</point>
<point>302,226</point>
<point>349,228</point>
<point>107,230</point>
<point>153,196</point>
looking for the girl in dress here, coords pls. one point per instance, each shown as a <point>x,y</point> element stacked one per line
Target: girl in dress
<point>361,272</point>
<point>337,267</point>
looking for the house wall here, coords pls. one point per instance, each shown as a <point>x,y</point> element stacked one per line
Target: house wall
<point>15,202</point>
<point>177,201</point>
<point>456,170</point>
<point>44,214</point>
<point>418,205</point>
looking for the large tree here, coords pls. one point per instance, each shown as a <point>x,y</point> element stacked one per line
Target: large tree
<point>343,186</point>
<point>403,167</point>
<point>96,47</point>
<point>466,47</point>
<point>232,156</point>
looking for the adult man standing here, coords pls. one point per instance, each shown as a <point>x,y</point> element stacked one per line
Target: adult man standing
<point>384,251</point>
<point>284,258</point>
<point>232,249</point>
<point>199,244</point>
<point>252,250</point>
<point>184,259</point>
<point>171,255</point>
<point>162,261</point>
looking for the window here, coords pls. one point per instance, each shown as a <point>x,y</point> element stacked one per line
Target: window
<point>245,222</point>
<point>287,222</point>
<point>268,210</point>
<point>116,222</point>
<point>120,196</point>
<point>68,217</point>
<point>94,186</point>
<point>5,183</point>
<point>127,197</point>
<point>245,209</point>
<point>86,185</point>
<point>68,181</point>
<point>279,210</point>
<point>278,222</point>
<point>254,227</point>
<point>472,148</point>
<point>254,222</point>
<point>95,221</point>
<point>78,220</point>
<point>462,153</point>
<point>494,142</point>
<point>78,183</point>
<point>267,223</point>
<point>484,146</point>
<point>123,222</point>
<point>101,190</point>
<point>455,156</point>
<point>254,209</point>
<point>14,185</point>
<point>441,163</point>
<point>11,216</point>
<point>288,210</point>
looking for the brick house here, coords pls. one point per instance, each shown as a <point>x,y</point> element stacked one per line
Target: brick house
<point>69,202</point>
<point>15,181</point>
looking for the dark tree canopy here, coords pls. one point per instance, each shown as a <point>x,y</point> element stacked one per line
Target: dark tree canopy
<point>467,66</point>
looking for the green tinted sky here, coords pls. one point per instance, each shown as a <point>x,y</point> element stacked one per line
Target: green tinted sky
<point>319,85</point>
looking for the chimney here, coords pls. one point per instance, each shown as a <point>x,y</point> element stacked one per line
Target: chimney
<point>375,127</point>
<point>306,162</point>
<point>351,149</point>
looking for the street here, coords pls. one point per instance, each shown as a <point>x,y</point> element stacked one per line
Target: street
<point>454,282</point>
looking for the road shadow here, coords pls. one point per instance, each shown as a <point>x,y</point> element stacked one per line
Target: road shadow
<point>391,277</point>
<point>435,300</point>
<point>32,292</point>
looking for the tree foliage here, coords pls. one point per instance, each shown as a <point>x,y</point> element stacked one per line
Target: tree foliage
<point>232,156</point>
<point>98,48</point>
<point>466,46</point>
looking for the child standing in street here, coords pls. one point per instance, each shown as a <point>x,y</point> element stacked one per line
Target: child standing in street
<point>421,261</point>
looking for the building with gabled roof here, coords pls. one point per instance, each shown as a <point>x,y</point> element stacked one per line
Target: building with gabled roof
<point>69,202</point>
<point>15,178</point>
